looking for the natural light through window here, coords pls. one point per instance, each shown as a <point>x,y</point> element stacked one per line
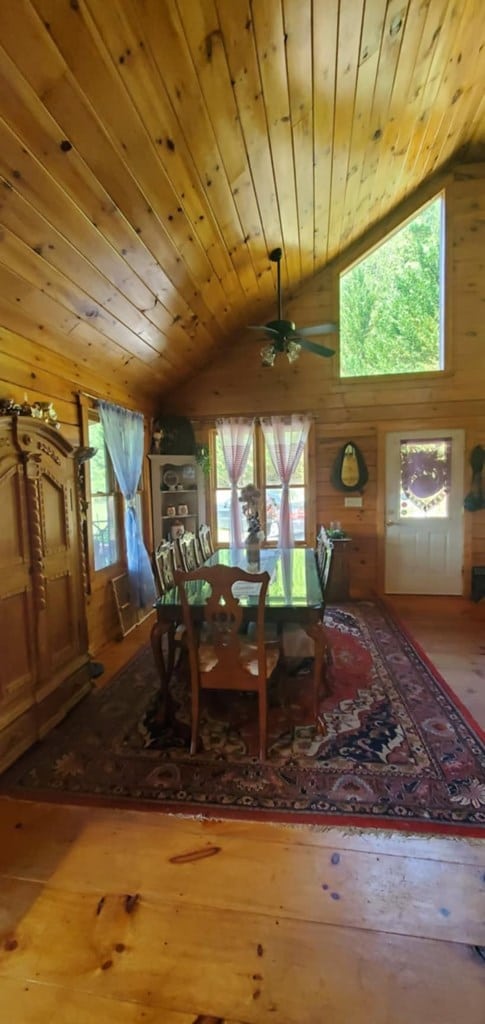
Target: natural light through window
<point>391,301</point>
<point>103,507</point>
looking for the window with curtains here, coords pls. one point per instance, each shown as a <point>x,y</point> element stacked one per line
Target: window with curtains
<point>261,472</point>
<point>105,502</point>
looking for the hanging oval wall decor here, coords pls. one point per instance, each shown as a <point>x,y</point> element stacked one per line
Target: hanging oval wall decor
<point>349,471</point>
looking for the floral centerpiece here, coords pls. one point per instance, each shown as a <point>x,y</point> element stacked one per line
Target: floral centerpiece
<point>250,497</point>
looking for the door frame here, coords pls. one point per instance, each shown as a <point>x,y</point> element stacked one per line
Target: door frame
<point>415,426</point>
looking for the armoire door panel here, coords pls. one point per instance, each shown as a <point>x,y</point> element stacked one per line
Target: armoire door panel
<point>62,626</point>
<point>16,664</point>
<point>54,513</point>
<point>12,536</point>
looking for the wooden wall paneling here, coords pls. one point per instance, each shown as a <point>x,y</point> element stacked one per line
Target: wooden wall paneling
<point>297,23</point>
<point>437,102</point>
<point>269,33</point>
<point>464,98</point>
<point>362,122</point>
<point>84,50</point>
<point>398,127</point>
<point>25,114</point>
<point>93,353</point>
<point>239,44</point>
<point>220,156</point>
<point>28,362</point>
<point>371,177</point>
<point>324,63</point>
<point>413,116</point>
<point>68,106</point>
<point>29,266</point>
<point>437,96</point>
<point>347,65</point>
<point>120,29</point>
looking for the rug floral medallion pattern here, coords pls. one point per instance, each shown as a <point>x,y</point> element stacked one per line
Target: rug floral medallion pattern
<point>391,746</point>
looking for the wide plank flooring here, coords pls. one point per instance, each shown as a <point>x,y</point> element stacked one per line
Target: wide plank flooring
<point>143,917</point>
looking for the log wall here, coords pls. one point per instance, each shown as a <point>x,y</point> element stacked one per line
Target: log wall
<point>365,410</point>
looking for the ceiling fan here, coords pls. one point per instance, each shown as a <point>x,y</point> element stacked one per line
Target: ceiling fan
<point>282,334</point>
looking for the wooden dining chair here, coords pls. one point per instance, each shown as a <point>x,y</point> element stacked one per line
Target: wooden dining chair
<point>220,656</point>
<point>172,647</point>
<point>205,541</point>
<point>188,550</point>
<point>323,554</point>
<point>164,566</point>
<point>295,642</point>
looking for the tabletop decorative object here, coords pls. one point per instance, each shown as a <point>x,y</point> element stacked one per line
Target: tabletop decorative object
<point>250,497</point>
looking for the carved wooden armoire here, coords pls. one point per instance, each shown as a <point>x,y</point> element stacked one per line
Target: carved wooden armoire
<point>44,663</point>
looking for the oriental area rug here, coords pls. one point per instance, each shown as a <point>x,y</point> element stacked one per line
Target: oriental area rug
<point>393,747</point>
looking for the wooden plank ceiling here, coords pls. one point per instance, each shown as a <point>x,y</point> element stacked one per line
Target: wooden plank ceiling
<point>152,152</point>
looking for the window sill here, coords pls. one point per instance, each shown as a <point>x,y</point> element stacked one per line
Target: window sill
<point>386,379</point>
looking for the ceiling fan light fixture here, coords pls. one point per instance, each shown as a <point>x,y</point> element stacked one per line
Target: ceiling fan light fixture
<point>283,335</point>
<point>292,351</point>
<point>268,355</point>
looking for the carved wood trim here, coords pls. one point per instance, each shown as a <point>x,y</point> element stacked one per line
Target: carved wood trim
<point>34,511</point>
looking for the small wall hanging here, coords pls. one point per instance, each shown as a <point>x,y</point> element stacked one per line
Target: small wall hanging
<point>475,498</point>
<point>349,471</point>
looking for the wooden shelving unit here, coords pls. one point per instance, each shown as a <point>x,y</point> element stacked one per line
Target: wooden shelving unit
<point>177,482</point>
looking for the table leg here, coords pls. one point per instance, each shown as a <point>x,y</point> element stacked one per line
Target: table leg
<point>318,633</point>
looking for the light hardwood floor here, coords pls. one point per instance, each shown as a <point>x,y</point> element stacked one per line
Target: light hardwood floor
<point>135,918</point>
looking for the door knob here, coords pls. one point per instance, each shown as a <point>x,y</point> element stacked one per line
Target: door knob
<point>391,522</point>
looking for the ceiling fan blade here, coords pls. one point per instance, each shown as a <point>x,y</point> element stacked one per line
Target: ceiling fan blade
<point>263,327</point>
<point>308,332</point>
<point>310,346</point>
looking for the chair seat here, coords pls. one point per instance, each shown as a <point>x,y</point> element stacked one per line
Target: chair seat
<point>208,658</point>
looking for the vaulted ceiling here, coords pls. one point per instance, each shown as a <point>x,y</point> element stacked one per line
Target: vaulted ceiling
<point>152,152</point>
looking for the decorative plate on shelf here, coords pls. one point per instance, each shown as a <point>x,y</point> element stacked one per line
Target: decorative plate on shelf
<point>188,475</point>
<point>170,479</point>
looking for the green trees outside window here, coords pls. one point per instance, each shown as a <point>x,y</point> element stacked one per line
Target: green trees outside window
<point>391,302</point>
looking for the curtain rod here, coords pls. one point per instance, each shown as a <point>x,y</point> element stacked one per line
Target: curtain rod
<point>86,394</point>
<point>98,398</point>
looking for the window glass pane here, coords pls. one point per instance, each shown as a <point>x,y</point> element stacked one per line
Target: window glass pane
<point>104,531</point>
<point>391,302</point>
<point>425,468</point>
<point>103,506</point>
<point>273,500</point>
<point>223,516</point>
<point>271,474</point>
<point>223,493</point>
<point>297,512</point>
<point>299,474</point>
<point>222,479</point>
<point>98,465</point>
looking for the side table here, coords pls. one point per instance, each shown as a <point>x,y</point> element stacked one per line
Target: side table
<point>338,587</point>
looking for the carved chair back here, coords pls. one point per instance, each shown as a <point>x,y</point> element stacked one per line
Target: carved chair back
<point>220,656</point>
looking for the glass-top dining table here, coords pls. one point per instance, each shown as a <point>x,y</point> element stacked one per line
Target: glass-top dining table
<point>294,595</point>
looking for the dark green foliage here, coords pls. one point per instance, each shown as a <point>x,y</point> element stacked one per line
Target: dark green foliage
<point>390,302</point>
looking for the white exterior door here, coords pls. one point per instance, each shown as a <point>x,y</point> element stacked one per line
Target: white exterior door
<point>424,512</point>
